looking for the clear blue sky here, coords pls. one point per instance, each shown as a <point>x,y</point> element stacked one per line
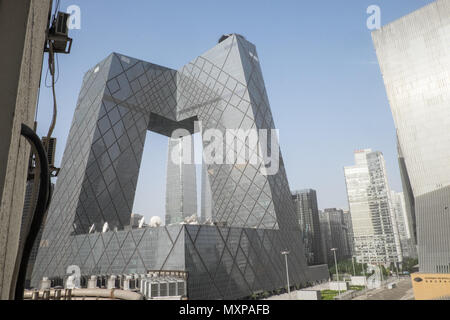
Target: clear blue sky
<point>319,66</point>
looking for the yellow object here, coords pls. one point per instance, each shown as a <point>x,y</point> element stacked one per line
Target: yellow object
<point>431,286</point>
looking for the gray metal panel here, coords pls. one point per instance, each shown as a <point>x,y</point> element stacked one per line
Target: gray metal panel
<point>433,231</point>
<point>414,57</point>
<point>305,202</point>
<point>226,263</point>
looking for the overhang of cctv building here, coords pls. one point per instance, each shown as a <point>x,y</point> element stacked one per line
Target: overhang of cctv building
<point>120,100</point>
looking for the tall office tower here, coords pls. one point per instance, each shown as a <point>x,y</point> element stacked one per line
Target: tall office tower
<point>305,202</point>
<point>206,198</point>
<point>375,233</point>
<point>325,236</point>
<point>334,233</point>
<point>349,228</point>
<point>414,57</point>
<point>181,187</point>
<point>404,232</point>
<point>254,217</point>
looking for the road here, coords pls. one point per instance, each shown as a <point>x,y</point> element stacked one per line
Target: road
<point>403,291</point>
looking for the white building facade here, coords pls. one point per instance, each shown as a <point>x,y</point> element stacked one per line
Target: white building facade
<point>376,238</point>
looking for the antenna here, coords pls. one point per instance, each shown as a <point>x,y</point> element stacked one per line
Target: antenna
<point>155,222</point>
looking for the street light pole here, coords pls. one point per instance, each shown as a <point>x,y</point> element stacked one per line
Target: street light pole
<point>381,273</point>
<point>337,271</point>
<point>364,273</point>
<point>285,253</point>
<point>353,263</point>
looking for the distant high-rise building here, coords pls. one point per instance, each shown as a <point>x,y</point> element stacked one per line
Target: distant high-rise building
<point>349,229</point>
<point>334,234</point>
<point>414,57</point>
<point>404,232</point>
<point>308,216</point>
<point>375,233</point>
<point>206,198</point>
<point>181,189</point>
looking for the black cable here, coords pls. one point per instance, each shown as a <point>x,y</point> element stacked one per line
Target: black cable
<point>51,64</point>
<point>57,6</point>
<point>42,205</point>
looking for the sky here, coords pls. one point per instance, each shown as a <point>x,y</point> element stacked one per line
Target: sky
<point>319,66</point>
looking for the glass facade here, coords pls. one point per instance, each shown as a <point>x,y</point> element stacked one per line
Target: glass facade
<point>181,187</point>
<point>334,234</point>
<point>206,197</point>
<point>414,57</point>
<point>120,99</point>
<point>305,202</point>
<point>376,238</point>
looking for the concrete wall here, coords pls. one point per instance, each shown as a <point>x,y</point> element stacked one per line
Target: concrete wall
<point>359,281</point>
<point>341,285</point>
<point>22,34</point>
<point>309,295</point>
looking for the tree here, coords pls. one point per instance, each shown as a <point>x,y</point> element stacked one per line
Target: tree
<point>346,266</point>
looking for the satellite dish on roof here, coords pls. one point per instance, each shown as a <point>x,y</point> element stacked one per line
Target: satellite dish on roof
<point>105,227</point>
<point>141,223</point>
<point>155,222</point>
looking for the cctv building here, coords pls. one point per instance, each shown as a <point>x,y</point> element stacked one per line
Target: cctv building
<point>414,57</point>
<point>252,214</point>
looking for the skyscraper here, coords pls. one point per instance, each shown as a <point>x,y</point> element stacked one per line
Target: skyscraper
<point>206,196</point>
<point>254,217</point>
<point>349,230</point>
<point>334,234</point>
<point>181,187</point>
<point>376,238</point>
<point>305,202</point>
<point>414,57</point>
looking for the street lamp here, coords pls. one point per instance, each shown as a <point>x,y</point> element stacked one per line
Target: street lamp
<point>337,271</point>
<point>353,263</point>
<point>364,273</point>
<point>285,253</point>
